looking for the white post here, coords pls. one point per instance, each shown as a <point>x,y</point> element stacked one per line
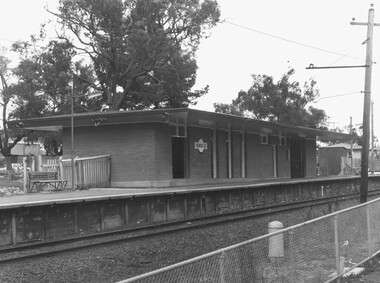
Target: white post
<point>33,163</point>
<point>276,243</point>
<point>61,167</point>
<point>25,173</point>
<point>39,163</point>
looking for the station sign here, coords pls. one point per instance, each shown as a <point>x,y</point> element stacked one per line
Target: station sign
<point>200,145</point>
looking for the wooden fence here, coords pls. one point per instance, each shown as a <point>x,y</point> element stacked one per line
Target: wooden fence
<point>89,172</point>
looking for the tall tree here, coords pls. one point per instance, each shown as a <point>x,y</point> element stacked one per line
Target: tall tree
<point>44,77</point>
<point>8,138</point>
<point>143,51</point>
<point>282,102</point>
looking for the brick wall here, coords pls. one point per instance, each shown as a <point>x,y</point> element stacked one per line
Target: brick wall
<point>236,154</point>
<point>163,152</point>
<point>142,152</point>
<point>252,152</point>
<point>259,158</point>
<point>221,137</point>
<point>200,163</point>
<point>283,158</point>
<point>265,161</point>
<point>132,149</point>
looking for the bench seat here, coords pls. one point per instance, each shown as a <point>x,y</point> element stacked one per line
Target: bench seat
<point>38,180</point>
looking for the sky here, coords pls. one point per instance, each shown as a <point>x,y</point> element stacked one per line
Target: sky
<point>265,37</point>
<point>273,36</point>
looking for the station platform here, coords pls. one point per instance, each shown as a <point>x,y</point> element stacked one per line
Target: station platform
<point>99,194</point>
<point>54,215</point>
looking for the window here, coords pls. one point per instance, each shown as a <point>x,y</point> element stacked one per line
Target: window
<point>282,138</point>
<point>264,139</point>
<point>178,131</point>
<point>178,127</point>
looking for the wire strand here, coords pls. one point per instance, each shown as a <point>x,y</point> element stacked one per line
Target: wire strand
<point>289,40</point>
<point>343,94</point>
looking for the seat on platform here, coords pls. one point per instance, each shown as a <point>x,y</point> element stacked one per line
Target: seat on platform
<point>38,180</point>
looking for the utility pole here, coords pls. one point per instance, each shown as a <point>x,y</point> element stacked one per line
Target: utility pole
<point>352,152</point>
<point>367,104</point>
<point>372,142</point>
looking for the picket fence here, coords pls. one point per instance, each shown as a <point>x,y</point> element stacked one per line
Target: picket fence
<point>89,172</point>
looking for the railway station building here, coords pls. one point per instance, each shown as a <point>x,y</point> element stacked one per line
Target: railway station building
<point>167,147</point>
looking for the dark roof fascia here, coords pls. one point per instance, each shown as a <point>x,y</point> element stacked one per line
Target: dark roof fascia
<point>224,121</point>
<point>193,117</point>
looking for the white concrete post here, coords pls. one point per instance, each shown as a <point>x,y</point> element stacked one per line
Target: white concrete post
<point>33,163</point>
<point>61,167</point>
<point>40,163</point>
<point>24,164</point>
<point>276,242</point>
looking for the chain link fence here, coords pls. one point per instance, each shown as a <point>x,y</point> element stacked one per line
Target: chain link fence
<point>320,250</point>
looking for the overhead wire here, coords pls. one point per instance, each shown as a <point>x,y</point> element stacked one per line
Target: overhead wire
<point>290,41</point>
<point>337,95</point>
<point>307,46</point>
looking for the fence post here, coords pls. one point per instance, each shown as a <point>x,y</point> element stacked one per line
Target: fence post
<point>221,267</point>
<point>276,243</point>
<point>337,256</point>
<point>33,167</point>
<point>60,163</point>
<point>39,163</point>
<point>368,210</point>
<point>291,253</point>
<point>25,172</point>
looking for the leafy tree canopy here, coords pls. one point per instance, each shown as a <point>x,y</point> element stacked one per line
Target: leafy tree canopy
<point>143,51</point>
<point>43,86</point>
<point>282,102</point>
<point>8,139</point>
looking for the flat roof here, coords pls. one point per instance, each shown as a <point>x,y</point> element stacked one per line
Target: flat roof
<point>185,116</point>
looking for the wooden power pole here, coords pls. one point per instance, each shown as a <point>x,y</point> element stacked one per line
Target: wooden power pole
<point>367,104</point>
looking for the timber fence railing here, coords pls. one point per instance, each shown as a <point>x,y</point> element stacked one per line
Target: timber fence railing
<point>89,172</point>
<point>319,250</point>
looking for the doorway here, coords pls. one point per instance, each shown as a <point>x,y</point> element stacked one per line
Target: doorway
<point>178,157</point>
<point>297,158</point>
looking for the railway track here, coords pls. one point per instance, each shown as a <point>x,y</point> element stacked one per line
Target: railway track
<point>49,248</point>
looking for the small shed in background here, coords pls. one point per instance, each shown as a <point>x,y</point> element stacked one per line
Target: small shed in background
<point>333,159</point>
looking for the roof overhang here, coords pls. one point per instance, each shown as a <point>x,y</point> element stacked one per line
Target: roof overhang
<point>189,117</point>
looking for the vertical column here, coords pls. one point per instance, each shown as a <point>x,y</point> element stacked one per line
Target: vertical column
<point>214,157</point>
<point>274,153</point>
<point>39,163</point>
<point>25,172</point>
<point>367,104</point>
<point>229,152</point>
<point>243,160</point>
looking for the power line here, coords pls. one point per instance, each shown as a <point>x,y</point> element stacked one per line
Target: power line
<point>342,94</point>
<point>345,55</point>
<point>290,41</point>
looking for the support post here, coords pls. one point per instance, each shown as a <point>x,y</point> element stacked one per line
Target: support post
<point>367,104</point>
<point>229,152</point>
<point>72,137</point>
<point>214,154</point>
<point>24,164</point>
<point>372,142</point>
<point>39,168</point>
<point>243,157</point>
<point>352,152</point>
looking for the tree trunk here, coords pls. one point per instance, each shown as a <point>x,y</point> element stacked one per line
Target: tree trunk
<point>8,162</point>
